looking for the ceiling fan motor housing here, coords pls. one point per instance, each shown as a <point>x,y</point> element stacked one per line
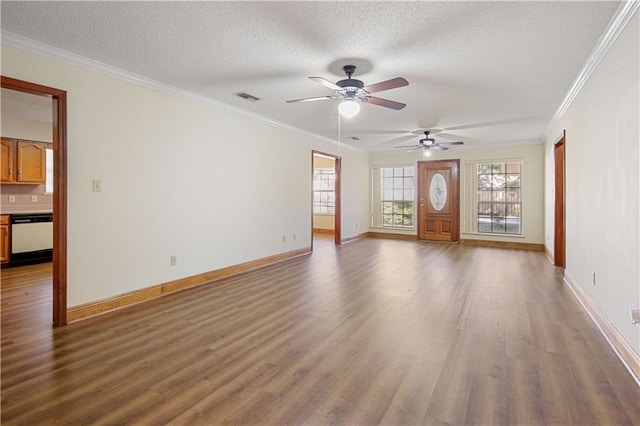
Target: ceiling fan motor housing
<point>350,83</point>
<point>351,87</point>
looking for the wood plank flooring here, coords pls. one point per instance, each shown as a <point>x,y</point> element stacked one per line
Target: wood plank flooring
<point>373,332</point>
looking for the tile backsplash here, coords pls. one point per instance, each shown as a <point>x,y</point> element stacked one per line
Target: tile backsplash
<point>22,195</point>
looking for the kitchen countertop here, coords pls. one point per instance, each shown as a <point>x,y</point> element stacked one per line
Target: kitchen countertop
<point>29,212</point>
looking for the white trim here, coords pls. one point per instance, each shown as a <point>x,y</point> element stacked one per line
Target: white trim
<point>619,20</point>
<point>616,341</point>
<point>395,228</point>
<point>35,47</point>
<point>500,235</point>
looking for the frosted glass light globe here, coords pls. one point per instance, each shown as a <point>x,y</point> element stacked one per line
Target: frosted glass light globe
<point>349,108</point>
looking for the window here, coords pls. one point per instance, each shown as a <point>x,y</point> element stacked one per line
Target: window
<point>48,186</point>
<point>499,197</point>
<point>324,187</point>
<point>393,197</point>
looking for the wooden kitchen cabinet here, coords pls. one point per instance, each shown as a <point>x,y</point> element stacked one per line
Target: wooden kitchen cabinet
<point>4,238</point>
<point>8,160</point>
<point>23,161</point>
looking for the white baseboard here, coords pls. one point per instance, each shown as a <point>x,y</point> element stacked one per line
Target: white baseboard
<point>620,346</point>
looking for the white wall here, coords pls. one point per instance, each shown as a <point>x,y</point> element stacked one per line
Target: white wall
<point>532,157</point>
<point>20,124</point>
<point>13,127</point>
<point>602,184</point>
<point>179,177</point>
<point>355,198</point>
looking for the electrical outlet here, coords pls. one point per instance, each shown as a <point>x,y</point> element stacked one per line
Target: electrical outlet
<point>593,278</point>
<point>12,198</point>
<point>97,185</point>
<point>173,260</point>
<point>635,314</point>
<point>34,198</point>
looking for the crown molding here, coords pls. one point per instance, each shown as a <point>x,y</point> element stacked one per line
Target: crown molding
<point>51,52</point>
<point>623,14</point>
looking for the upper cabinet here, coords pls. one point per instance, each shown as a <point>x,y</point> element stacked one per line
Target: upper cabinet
<point>23,162</point>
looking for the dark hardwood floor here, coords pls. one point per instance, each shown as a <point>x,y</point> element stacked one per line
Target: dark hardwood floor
<point>372,332</point>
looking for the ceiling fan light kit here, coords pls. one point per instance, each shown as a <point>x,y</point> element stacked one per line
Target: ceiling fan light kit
<point>429,144</point>
<point>349,108</point>
<point>351,90</point>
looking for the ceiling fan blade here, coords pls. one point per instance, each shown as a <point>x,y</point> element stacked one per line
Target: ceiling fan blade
<point>452,143</point>
<point>409,146</point>
<point>399,139</point>
<point>438,147</point>
<point>320,98</point>
<point>449,136</point>
<point>386,85</point>
<point>326,83</point>
<point>381,132</point>
<point>414,149</point>
<point>385,103</point>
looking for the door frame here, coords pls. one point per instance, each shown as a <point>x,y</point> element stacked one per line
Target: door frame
<point>455,196</point>
<point>59,101</point>
<point>337,221</point>
<point>559,228</point>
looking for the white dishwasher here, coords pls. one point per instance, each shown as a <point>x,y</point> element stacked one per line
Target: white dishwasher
<point>31,238</point>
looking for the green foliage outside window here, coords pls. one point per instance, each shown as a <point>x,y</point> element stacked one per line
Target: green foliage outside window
<point>499,197</point>
<point>397,198</point>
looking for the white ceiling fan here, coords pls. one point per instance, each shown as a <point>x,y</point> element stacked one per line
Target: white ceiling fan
<point>429,144</point>
<point>351,90</point>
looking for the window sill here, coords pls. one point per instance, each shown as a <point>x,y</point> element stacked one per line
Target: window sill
<point>393,228</point>
<point>491,234</point>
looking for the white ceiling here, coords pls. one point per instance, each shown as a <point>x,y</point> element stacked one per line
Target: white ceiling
<point>484,72</point>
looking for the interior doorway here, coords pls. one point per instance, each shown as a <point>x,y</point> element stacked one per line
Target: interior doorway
<point>559,213</point>
<point>439,196</point>
<point>59,138</point>
<point>326,198</point>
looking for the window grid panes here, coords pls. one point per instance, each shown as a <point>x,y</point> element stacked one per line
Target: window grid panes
<point>324,187</point>
<point>499,197</point>
<point>397,196</point>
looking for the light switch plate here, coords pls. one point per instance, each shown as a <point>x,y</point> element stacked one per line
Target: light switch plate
<point>12,198</point>
<point>634,312</point>
<point>34,198</point>
<point>97,185</point>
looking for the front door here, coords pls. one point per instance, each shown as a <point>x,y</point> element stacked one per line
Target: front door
<point>439,193</point>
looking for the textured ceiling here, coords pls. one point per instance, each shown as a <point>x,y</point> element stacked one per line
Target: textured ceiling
<point>484,72</point>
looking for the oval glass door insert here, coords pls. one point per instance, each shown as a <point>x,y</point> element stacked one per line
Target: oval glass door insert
<point>438,191</point>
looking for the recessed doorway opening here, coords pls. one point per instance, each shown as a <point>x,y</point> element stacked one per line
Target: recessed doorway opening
<point>325,198</point>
